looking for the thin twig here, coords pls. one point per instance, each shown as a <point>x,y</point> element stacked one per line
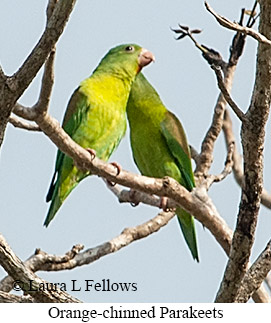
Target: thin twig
<point>226,93</point>
<point>207,146</point>
<point>236,27</point>
<point>46,85</point>
<point>45,262</point>
<point>225,172</point>
<point>19,123</point>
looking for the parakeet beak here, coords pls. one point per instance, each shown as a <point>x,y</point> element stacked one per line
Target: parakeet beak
<point>145,57</point>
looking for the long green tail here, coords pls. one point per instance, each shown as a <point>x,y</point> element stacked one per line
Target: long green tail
<point>188,228</point>
<point>56,202</point>
<point>57,196</point>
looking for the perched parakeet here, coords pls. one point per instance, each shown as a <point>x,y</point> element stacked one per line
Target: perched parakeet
<point>160,146</point>
<point>95,116</point>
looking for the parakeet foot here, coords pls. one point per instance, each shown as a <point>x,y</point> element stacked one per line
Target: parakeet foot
<point>92,153</point>
<point>164,203</point>
<point>132,194</point>
<point>119,168</point>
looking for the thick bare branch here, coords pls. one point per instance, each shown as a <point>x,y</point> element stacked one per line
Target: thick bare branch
<point>237,159</point>
<point>268,281</point>
<point>54,28</point>
<point>11,88</point>
<point>27,280</point>
<point>39,261</point>
<point>10,298</point>
<point>197,203</point>
<point>253,135</point>
<point>255,275</point>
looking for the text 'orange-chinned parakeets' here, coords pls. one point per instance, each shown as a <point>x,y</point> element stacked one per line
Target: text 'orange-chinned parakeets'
<point>160,146</point>
<point>95,116</point>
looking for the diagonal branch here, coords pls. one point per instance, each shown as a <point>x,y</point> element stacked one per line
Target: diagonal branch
<point>206,155</point>
<point>255,275</point>
<point>225,172</point>
<point>27,280</point>
<point>10,298</point>
<point>54,28</point>
<point>20,123</point>
<point>226,93</point>
<point>197,203</point>
<point>11,88</point>
<point>236,27</point>
<point>42,261</point>
<point>39,261</point>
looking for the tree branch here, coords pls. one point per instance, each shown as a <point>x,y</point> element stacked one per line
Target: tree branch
<point>255,275</point>
<point>19,123</point>
<point>226,93</point>
<point>253,134</point>
<point>11,88</point>
<point>40,261</point>
<point>54,28</point>
<point>225,172</point>
<point>236,27</point>
<point>27,280</point>
<point>9,298</point>
<point>268,281</point>
<point>74,258</point>
<point>196,203</point>
<point>237,159</point>
<point>47,85</point>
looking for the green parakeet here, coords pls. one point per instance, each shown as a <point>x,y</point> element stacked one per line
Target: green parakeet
<point>160,146</point>
<point>95,116</point>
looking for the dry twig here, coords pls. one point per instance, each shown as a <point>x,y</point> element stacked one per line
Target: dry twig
<point>237,27</point>
<point>20,123</point>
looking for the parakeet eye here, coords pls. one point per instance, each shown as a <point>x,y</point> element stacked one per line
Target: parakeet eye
<point>129,49</point>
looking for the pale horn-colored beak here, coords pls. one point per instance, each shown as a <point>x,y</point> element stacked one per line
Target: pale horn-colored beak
<point>145,57</point>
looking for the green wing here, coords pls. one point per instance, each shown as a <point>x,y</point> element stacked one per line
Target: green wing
<point>76,110</point>
<point>174,134</point>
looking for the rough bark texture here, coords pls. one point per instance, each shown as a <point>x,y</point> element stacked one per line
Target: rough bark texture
<point>255,275</point>
<point>253,135</point>
<point>11,88</point>
<point>27,281</point>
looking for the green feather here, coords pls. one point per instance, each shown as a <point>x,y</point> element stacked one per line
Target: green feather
<point>160,146</point>
<point>95,118</point>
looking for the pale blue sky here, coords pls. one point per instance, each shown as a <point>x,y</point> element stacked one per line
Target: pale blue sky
<point>161,265</point>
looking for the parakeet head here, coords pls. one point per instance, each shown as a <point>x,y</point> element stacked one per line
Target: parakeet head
<point>125,60</point>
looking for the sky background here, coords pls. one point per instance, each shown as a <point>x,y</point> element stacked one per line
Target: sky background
<point>160,265</point>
